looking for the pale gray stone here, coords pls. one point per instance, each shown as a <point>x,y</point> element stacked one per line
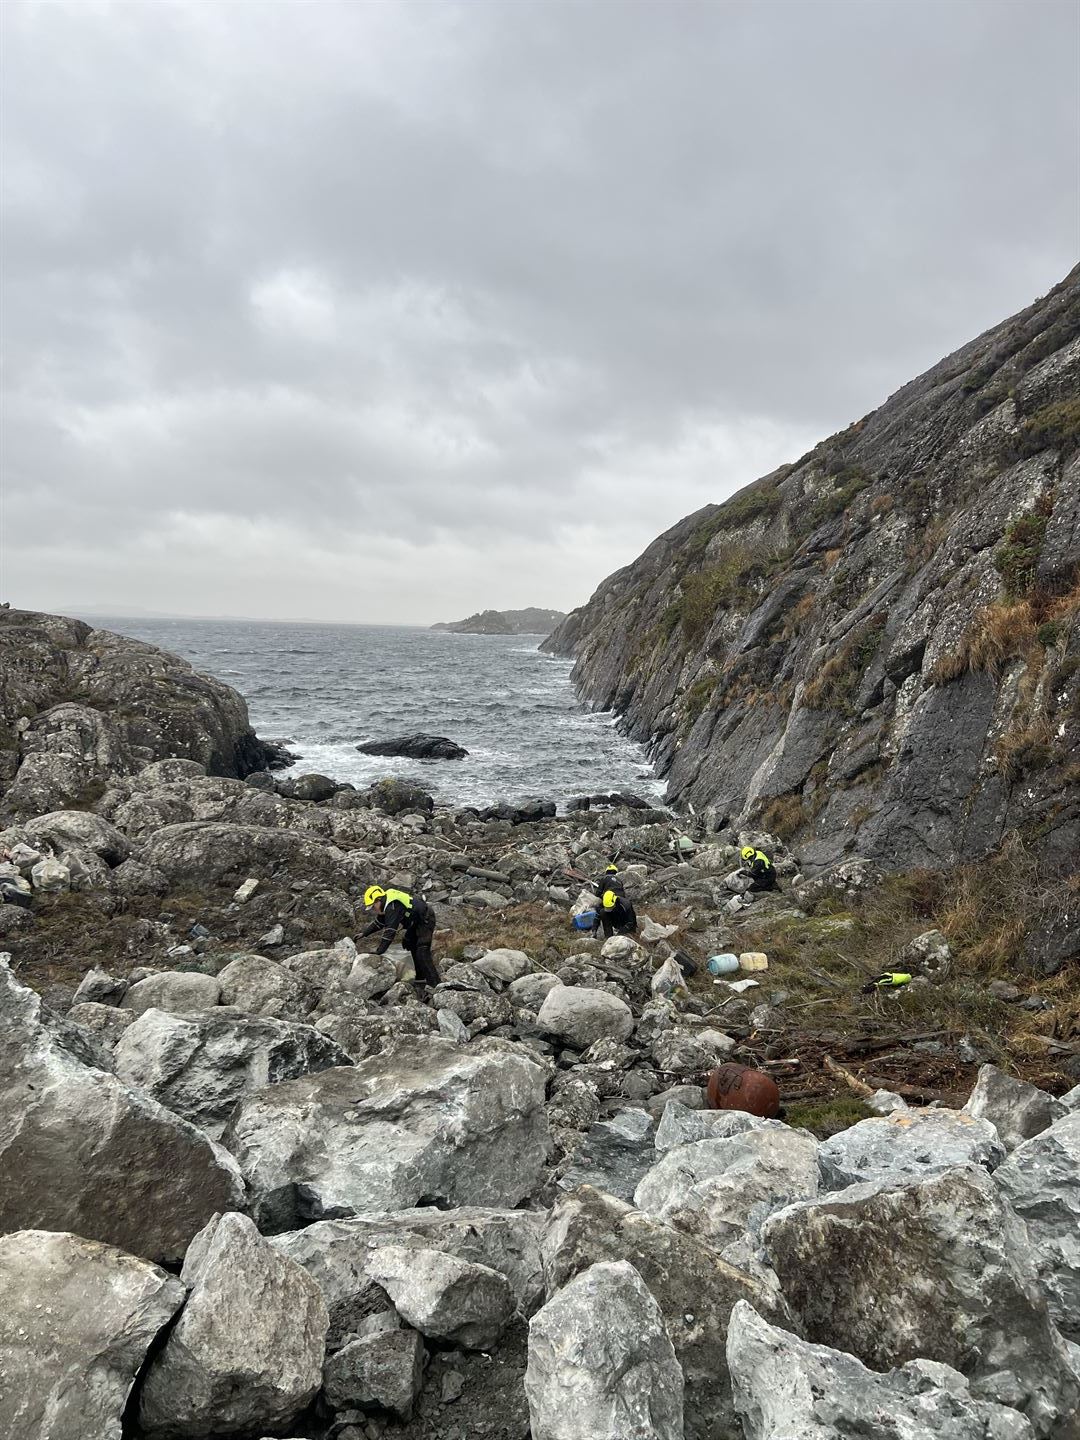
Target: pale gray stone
<point>426,1120</point>
<point>82,1151</point>
<point>249,1346</point>
<point>716,1189</point>
<point>179,992</point>
<point>76,1320</point>
<point>908,1143</point>
<point>200,1066</point>
<point>787,1389</point>
<point>601,1365</point>
<point>444,1297</point>
<point>938,1269</point>
<point>504,965</point>
<point>580,1016</point>
<point>1016,1109</point>
<point>1041,1181</point>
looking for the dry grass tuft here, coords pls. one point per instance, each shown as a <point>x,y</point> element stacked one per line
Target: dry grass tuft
<point>998,633</point>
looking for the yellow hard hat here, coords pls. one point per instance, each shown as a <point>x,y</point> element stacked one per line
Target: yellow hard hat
<point>748,852</point>
<point>373,893</point>
<point>609,899</point>
<point>612,870</point>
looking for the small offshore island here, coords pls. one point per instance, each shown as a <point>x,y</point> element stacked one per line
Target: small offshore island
<point>505,622</point>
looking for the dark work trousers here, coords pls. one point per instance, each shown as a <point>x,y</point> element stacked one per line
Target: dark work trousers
<point>418,944</point>
<point>610,928</point>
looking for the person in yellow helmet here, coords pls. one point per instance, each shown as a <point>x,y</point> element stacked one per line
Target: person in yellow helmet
<point>398,910</point>
<point>610,881</point>
<point>759,867</point>
<point>615,916</point>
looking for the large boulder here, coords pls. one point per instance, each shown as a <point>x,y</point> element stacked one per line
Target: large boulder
<point>720,1188</point>
<point>787,1389</point>
<point>427,1121</point>
<point>694,1288</point>
<point>940,1270</point>
<point>615,1155</point>
<point>200,854</point>
<point>1041,1182</point>
<point>248,1348</point>
<point>201,1065</point>
<point>443,1297</point>
<point>580,1016</point>
<point>76,1321</point>
<point>1016,1109</point>
<point>601,1365</point>
<point>176,991</point>
<point>908,1143</point>
<point>337,1254</point>
<point>78,830</point>
<point>80,1150</point>
<point>504,965</point>
<point>261,986</point>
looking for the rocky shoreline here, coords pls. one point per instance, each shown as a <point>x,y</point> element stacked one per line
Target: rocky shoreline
<point>269,1192</point>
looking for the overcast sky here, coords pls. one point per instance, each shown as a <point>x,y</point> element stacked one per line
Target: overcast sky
<point>396,311</point>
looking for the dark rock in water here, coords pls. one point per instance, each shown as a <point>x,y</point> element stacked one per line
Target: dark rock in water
<point>522,813</point>
<point>277,755</point>
<point>416,747</point>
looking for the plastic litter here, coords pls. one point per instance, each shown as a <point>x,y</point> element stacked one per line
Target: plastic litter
<point>585,920</point>
<point>753,960</point>
<point>668,980</point>
<point>722,964</point>
<point>739,985</point>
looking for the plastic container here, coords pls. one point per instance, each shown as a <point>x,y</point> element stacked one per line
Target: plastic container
<point>753,960</point>
<point>585,920</point>
<point>722,964</point>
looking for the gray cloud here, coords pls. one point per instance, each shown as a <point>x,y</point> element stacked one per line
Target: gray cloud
<point>394,311</point>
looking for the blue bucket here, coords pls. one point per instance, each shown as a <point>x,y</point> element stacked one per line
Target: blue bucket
<point>585,920</point>
<point>722,964</point>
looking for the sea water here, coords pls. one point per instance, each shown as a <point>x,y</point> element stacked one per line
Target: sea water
<point>324,688</point>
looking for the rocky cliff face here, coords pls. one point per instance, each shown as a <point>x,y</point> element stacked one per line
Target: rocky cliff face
<point>80,706</point>
<point>876,648</point>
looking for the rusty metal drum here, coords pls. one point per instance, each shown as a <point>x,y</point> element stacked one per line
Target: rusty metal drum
<point>739,1087</point>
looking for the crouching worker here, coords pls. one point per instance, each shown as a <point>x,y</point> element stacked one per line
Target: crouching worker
<point>610,881</point>
<point>758,869</point>
<point>616,915</point>
<point>397,910</point>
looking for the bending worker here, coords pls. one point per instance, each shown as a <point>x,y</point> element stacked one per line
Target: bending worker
<point>397,910</point>
<point>760,869</point>
<point>616,915</point>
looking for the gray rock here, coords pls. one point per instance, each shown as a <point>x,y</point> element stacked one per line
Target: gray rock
<point>105,1023</point>
<point>786,1389</point>
<point>452,1026</point>
<point>719,1188</point>
<point>255,984</point>
<point>928,954</point>
<point>614,1155</point>
<point>337,1253</point>
<point>1041,1181</point>
<point>200,1066</point>
<point>529,992</point>
<point>79,830</point>
<point>98,986</point>
<point>385,1370</point>
<point>691,1283</point>
<point>580,1016</point>
<point>427,1120</point>
<point>504,965</point>
<point>601,1365</point>
<point>76,1320</point>
<point>680,1125</point>
<point>692,1097</point>
<point>686,1051</point>
<point>82,1151</point>
<point>176,991</point>
<point>1016,1109</point>
<point>1071,1100</point>
<point>908,1143</point>
<point>248,1348</point>
<point>444,1297</point>
<point>939,1270</point>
